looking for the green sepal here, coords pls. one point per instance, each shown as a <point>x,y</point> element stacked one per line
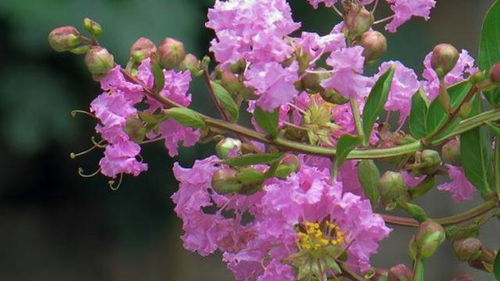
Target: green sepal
<point>226,100</point>
<point>267,121</point>
<point>369,175</point>
<point>158,75</point>
<point>186,117</point>
<point>418,114</point>
<point>345,145</point>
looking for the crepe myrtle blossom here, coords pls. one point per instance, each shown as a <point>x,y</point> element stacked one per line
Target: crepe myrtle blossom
<point>404,10</point>
<point>463,68</point>
<point>460,187</point>
<point>293,221</point>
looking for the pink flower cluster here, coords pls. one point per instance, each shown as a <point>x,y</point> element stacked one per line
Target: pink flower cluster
<point>260,235</point>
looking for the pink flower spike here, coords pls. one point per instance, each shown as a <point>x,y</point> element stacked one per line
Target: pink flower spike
<point>405,9</point>
<point>460,187</point>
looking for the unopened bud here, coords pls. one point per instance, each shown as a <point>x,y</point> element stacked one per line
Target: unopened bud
<point>495,73</point>
<point>380,275</point>
<point>444,58</point>
<point>391,187</point>
<point>451,153</point>
<point>135,129</point>
<point>227,146</point>
<point>463,278</point>
<point>171,53</point>
<point>430,162</point>
<point>290,163</point>
<point>142,49</point>
<point>191,63</point>
<point>251,179</point>
<point>357,21</point>
<point>239,66</point>
<point>430,235</point>
<point>225,181</point>
<point>92,27</point>
<point>64,38</point>
<point>400,272</point>
<point>334,97</point>
<point>467,249</point>
<point>477,77</point>
<point>312,81</point>
<point>99,61</point>
<point>231,82</point>
<point>465,110</point>
<point>375,45</point>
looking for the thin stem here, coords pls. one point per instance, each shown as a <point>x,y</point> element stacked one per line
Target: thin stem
<point>375,6</point>
<point>206,77</point>
<point>337,11</point>
<point>358,121</point>
<point>496,166</point>
<point>445,221</point>
<point>383,20</point>
<point>350,274</point>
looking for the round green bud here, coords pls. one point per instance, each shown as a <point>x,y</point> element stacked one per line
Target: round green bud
<point>358,21</point>
<point>333,96</point>
<point>239,66</point>
<point>172,53</point>
<point>135,129</point>
<point>99,61</point>
<point>444,58</point>
<point>64,38</point>
<point>451,153</point>
<point>290,163</point>
<point>467,249</point>
<point>92,27</point>
<point>429,237</point>
<point>251,179</point>
<point>142,49</point>
<point>431,160</point>
<point>312,81</point>
<point>191,63</point>
<point>400,272</point>
<point>225,181</point>
<point>231,82</point>
<point>391,187</point>
<point>226,146</point>
<point>495,73</point>
<point>374,44</point>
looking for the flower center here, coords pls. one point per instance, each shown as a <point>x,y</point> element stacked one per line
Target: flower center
<point>315,236</point>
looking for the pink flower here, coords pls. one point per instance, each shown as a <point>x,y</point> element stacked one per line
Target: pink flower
<point>249,29</point>
<point>121,158</point>
<point>460,187</point>
<point>315,45</point>
<point>173,133</point>
<point>405,9</point>
<point>273,83</point>
<point>411,181</point>
<point>347,78</point>
<point>465,66</point>
<point>404,84</point>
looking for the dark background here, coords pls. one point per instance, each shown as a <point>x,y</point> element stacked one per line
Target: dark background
<point>55,225</point>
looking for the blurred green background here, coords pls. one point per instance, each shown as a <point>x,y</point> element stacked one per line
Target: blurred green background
<point>55,225</point>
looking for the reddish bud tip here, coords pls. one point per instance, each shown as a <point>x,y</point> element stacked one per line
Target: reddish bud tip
<point>99,61</point>
<point>92,27</point>
<point>231,82</point>
<point>400,272</point>
<point>227,146</point>
<point>430,235</point>
<point>64,38</point>
<point>375,45</point>
<point>141,49</point>
<point>495,73</point>
<point>357,21</point>
<point>467,249</point>
<point>444,58</point>
<point>463,278</point>
<point>191,63</point>
<point>171,53</point>
<point>225,181</point>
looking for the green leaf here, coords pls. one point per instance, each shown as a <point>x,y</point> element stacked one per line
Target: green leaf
<point>494,127</point>
<point>226,100</point>
<point>418,115</point>
<point>436,116</point>
<point>253,159</point>
<point>476,154</point>
<point>369,175</point>
<point>376,101</point>
<point>489,47</point>
<point>268,121</point>
<point>158,75</point>
<point>496,266</point>
<point>186,117</point>
<point>345,145</point>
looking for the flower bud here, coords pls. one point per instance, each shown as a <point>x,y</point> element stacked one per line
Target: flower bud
<point>142,49</point>
<point>357,21</point>
<point>375,45</point>
<point>400,272</point>
<point>312,81</point>
<point>430,162</point>
<point>495,73</point>
<point>92,27</point>
<point>463,278</point>
<point>290,163</point>
<point>64,38</point>
<point>191,63</point>
<point>171,53</point>
<point>225,181</point>
<point>251,179</point>
<point>99,61</point>
<point>227,146</point>
<point>391,187</point>
<point>239,66</point>
<point>135,129</point>
<point>451,153</point>
<point>231,82</point>
<point>333,96</point>
<point>444,58</point>
<point>467,249</point>
<point>380,275</point>
<point>430,235</point>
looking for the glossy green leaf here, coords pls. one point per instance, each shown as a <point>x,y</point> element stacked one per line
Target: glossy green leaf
<point>476,154</point>
<point>268,121</point>
<point>226,100</point>
<point>376,101</point>
<point>496,266</point>
<point>345,145</point>
<point>418,114</point>
<point>186,117</point>
<point>489,47</point>
<point>253,159</point>
<point>369,175</point>
<point>158,75</point>
<point>436,116</point>
<point>494,127</point>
